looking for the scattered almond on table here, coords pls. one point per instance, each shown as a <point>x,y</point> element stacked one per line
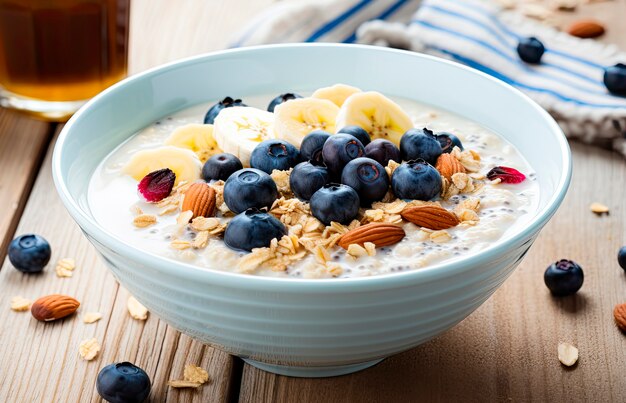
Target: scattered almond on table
<point>568,354</point>
<point>53,307</point>
<point>619,314</point>
<point>586,28</point>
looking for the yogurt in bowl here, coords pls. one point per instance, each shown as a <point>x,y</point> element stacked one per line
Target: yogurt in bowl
<point>294,325</point>
<point>486,209</point>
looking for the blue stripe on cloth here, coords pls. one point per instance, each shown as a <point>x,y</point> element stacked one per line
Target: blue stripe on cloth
<point>337,21</point>
<point>394,7</point>
<point>476,65</point>
<point>503,28</point>
<point>516,61</point>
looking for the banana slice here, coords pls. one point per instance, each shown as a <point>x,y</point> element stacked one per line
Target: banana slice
<point>299,117</point>
<point>374,112</point>
<point>195,137</point>
<point>239,130</point>
<point>184,163</point>
<point>336,94</point>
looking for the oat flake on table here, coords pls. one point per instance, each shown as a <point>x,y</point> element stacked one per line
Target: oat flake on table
<point>92,317</point>
<point>65,267</point>
<point>89,349</point>
<point>136,310</point>
<point>20,304</point>
<point>193,377</point>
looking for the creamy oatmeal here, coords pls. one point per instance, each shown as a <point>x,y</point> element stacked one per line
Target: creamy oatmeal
<point>480,211</point>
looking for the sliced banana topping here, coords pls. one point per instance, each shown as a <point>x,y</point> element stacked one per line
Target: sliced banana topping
<point>336,94</point>
<point>195,137</point>
<point>377,114</point>
<point>183,162</point>
<point>299,117</point>
<point>238,130</point>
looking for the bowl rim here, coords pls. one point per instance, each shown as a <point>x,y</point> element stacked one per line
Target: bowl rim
<point>247,281</point>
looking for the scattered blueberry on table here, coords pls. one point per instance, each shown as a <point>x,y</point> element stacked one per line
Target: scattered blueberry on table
<point>307,178</point>
<point>220,167</point>
<point>417,180</point>
<point>530,50</point>
<point>123,382</point>
<point>29,253</point>
<point>274,154</point>
<point>335,202</point>
<point>564,277</point>
<point>253,229</point>
<point>621,257</point>
<point>249,188</point>
<point>214,110</point>
<point>361,134</point>
<point>420,144</point>
<point>280,99</point>
<point>615,79</point>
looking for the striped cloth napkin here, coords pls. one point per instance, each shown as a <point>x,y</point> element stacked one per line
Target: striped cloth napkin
<point>478,33</point>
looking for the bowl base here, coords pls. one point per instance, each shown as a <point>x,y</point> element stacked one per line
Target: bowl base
<point>312,372</point>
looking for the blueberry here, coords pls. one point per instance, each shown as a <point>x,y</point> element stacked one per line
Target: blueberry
<point>214,110</point>
<point>530,50</point>
<point>563,277</point>
<point>621,257</point>
<point>280,99</point>
<point>383,151</point>
<point>448,141</point>
<point>220,167</point>
<point>306,178</point>
<point>361,134</point>
<point>312,144</point>
<point>29,253</point>
<point>253,229</point>
<point>615,79</point>
<point>368,178</point>
<point>417,180</point>
<point>274,154</point>
<point>335,202</point>
<point>339,150</point>
<point>420,144</point>
<point>248,188</point>
<point>123,382</point>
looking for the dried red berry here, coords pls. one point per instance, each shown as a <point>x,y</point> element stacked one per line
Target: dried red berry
<point>157,185</point>
<point>506,175</point>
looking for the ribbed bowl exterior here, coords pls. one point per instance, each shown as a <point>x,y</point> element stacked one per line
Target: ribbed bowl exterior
<point>316,328</point>
<point>298,322</point>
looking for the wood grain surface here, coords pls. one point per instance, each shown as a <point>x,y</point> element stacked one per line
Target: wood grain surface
<point>505,351</point>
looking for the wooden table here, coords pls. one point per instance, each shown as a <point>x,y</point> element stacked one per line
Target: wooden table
<point>506,350</point>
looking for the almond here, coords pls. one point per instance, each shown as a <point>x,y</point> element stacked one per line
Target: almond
<point>431,217</point>
<point>448,165</point>
<point>586,29</point>
<point>619,313</point>
<point>200,200</point>
<point>380,234</point>
<point>52,307</point>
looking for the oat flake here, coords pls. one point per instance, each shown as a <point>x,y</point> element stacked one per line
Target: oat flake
<point>193,373</point>
<point>92,317</point>
<point>144,220</point>
<point>20,304</point>
<point>568,354</point>
<point>136,310</point>
<point>183,384</point>
<point>599,208</point>
<point>89,349</point>
<point>65,267</point>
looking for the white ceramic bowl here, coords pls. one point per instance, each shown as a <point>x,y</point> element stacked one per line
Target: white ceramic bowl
<point>304,327</point>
